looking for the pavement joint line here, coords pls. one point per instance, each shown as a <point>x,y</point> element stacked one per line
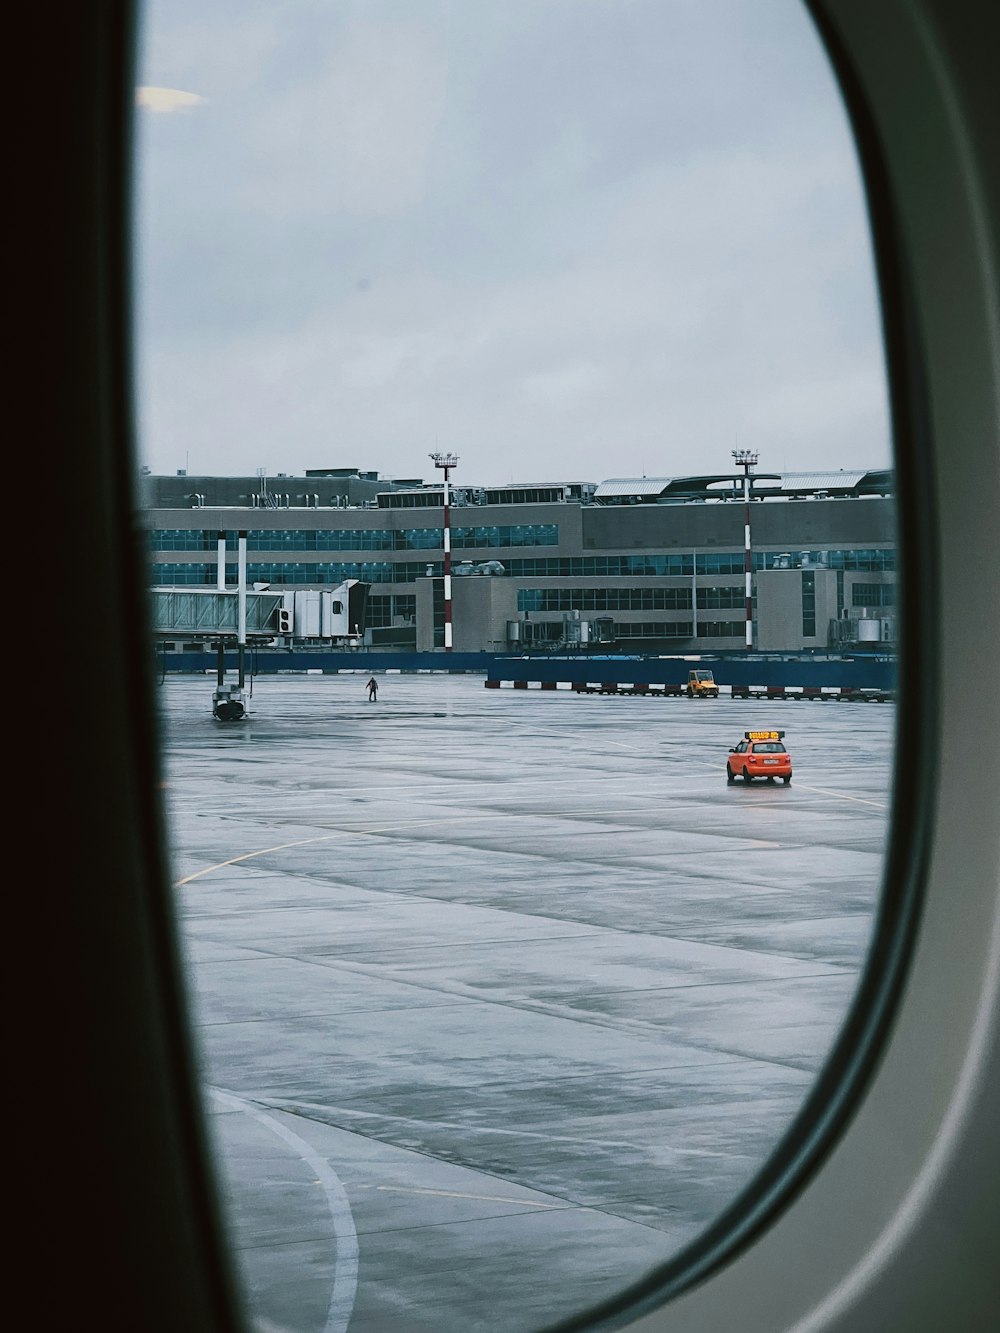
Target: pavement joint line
<point>635,863</point>
<point>640,1029</point>
<point>225,812</point>
<point>300,1108</point>
<point>458,1194</point>
<point>597,933</point>
<point>458,781</point>
<point>474,817</point>
<point>420,823</point>
<point>507,784</point>
<point>833,970</point>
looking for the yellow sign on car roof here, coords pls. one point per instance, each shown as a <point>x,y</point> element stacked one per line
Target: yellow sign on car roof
<point>763,735</point>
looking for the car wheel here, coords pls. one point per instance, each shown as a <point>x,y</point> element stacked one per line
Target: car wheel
<point>787,781</point>
<point>771,781</point>
<point>730,775</point>
<point>746,776</point>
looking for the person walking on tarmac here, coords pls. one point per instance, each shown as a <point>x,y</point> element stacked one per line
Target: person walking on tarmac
<point>372,689</point>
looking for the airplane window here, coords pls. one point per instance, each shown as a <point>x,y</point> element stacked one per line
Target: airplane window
<point>500,992</point>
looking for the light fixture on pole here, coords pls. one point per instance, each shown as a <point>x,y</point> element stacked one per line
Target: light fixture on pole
<point>446,462</point>
<point>746,459</point>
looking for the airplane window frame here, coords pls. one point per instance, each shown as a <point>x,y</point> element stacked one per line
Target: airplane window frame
<point>147,1203</point>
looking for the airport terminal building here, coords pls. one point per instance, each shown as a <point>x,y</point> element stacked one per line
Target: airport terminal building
<point>630,565</point>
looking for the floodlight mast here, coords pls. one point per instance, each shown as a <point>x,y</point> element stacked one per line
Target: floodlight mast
<point>446,462</point>
<point>746,459</point>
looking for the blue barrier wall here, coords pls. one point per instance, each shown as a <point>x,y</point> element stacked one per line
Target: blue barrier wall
<point>861,671</point>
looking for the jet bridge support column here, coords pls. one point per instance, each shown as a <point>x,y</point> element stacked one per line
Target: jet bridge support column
<point>241,632</point>
<point>229,701</point>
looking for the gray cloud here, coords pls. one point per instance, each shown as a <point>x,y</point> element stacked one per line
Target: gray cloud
<point>566,240</point>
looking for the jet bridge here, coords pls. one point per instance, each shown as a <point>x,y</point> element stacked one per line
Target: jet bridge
<point>193,613</point>
<point>229,617</point>
<point>334,616</point>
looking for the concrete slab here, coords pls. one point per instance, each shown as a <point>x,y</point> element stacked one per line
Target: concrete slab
<point>501,994</point>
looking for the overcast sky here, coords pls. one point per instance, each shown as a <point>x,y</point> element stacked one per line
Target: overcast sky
<point>566,240</point>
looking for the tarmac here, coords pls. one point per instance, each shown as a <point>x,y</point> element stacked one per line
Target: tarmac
<point>502,996</point>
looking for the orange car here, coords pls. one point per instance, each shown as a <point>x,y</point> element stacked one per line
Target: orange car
<point>760,754</point>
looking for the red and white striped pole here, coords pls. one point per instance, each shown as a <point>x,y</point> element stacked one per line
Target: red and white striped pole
<point>746,458</point>
<point>446,462</point>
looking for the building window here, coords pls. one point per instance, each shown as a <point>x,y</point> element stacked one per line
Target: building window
<point>721,599</point>
<point>722,562</point>
<point>518,534</point>
<point>657,629</point>
<point>721,629</point>
<point>808,604</point>
<point>438,613</point>
<point>873,594</point>
<point>604,599</point>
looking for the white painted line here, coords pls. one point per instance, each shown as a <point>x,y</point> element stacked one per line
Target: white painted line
<point>345,1264</point>
<point>843,796</point>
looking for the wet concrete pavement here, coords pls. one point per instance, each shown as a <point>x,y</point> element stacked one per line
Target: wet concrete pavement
<point>501,996</point>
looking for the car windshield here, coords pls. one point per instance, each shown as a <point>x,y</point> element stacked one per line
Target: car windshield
<point>769,747</point>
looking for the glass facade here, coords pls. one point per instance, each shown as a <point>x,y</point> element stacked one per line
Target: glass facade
<point>721,599</point>
<point>721,629</point>
<point>522,495</point>
<point>722,562</point>
<point>181,539</point>
<point>808,604</point>
<point>383,611</point>
<point>657,629</point>
<point>362,539</point>
<point>873,594</point>
<point>292,572</point>
<point>397,612</point>
<point>485,537</point>
<point>439,613</point>
<point>602,566</point>
<point>520,534</point>
<point>859,558</point>
<point>604,599</point>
